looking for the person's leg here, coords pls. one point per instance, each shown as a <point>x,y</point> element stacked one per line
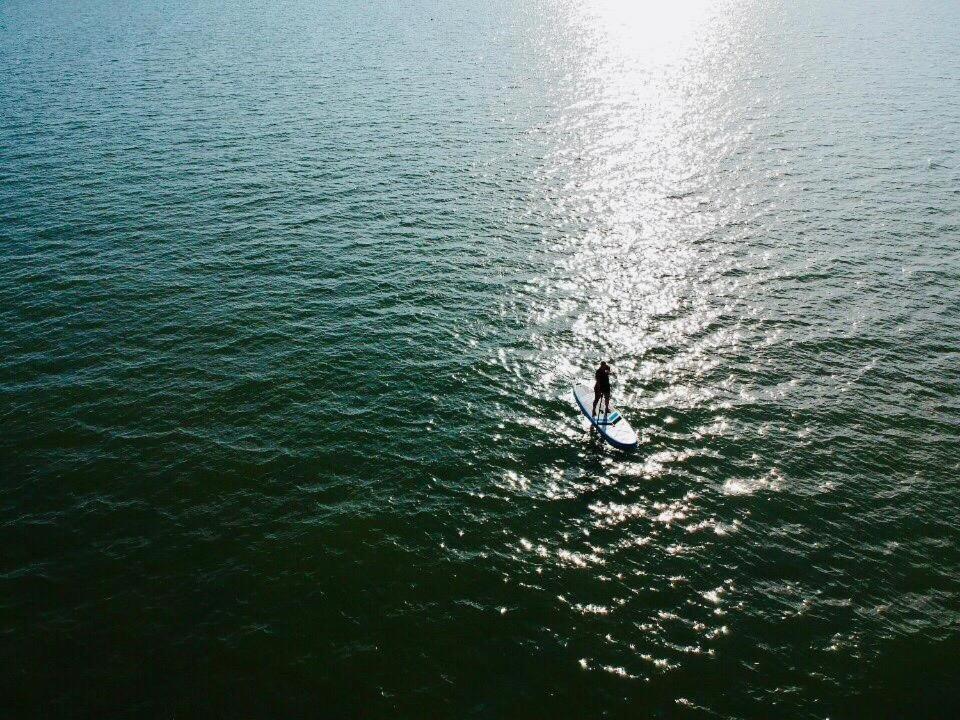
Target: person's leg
<point>606,396</point>
<point>596,398</point>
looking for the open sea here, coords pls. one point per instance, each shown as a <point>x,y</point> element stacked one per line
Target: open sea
<point>292,295</point>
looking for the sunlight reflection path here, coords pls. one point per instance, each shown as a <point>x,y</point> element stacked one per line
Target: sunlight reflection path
<point>634,177</point>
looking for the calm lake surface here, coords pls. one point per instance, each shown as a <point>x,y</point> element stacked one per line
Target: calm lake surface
<point>292,296</point>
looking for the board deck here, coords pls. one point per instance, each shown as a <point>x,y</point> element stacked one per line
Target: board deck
<point>612,426</point>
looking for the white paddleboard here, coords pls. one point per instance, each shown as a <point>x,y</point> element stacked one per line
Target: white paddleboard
<point>612,426</point>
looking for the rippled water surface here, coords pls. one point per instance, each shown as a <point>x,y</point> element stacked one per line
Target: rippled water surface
<point>292,295</point>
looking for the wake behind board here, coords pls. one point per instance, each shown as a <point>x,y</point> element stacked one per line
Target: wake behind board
<point>612,426</point>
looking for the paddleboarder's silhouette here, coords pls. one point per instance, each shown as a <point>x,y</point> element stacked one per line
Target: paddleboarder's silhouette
<point>601,389</point>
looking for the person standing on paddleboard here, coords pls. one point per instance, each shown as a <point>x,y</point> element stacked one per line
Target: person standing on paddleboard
<point>601,389</point>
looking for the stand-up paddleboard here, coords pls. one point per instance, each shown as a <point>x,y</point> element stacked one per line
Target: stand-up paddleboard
<point>612,426</point>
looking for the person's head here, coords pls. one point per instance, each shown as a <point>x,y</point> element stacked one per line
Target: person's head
<point>603,363</point>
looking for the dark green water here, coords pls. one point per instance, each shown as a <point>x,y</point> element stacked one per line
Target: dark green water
<point>291,298</point>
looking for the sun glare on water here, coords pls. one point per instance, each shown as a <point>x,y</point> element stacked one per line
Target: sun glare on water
<point>633,141</point>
